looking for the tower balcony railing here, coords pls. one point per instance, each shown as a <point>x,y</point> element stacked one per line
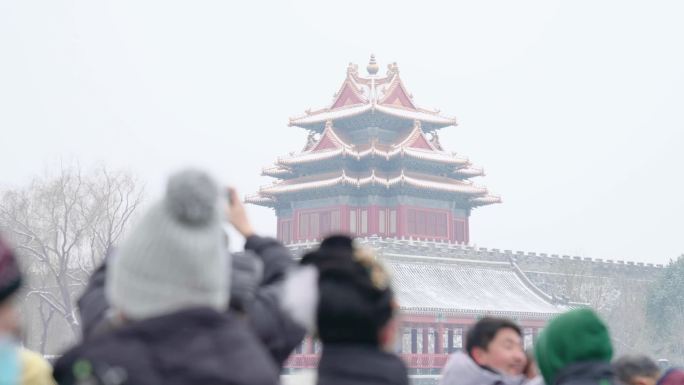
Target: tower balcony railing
<point>302,361</point>
<point>425,360</point>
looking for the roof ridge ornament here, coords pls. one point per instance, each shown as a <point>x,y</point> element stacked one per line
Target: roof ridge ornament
<point>311,140</point>
<point>434,140</point>
<point>352,69</point>
<point>372,66</point>
<point>392,69</point>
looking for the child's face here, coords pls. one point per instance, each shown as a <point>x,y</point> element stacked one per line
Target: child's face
<point>9,318</point>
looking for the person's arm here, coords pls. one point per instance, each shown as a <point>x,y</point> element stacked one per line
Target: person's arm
<point>279,334</point>
<point>93,305</point>
<point>277,258</point>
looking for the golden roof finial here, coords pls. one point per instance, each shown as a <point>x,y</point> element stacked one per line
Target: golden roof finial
<point>372,67</point>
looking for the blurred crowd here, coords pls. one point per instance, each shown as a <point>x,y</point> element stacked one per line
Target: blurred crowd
<point>171,305</point>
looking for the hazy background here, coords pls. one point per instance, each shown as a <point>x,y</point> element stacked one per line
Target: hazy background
<point>574,108</point>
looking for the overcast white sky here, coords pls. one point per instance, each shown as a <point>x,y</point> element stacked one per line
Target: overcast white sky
<point>574,108</point>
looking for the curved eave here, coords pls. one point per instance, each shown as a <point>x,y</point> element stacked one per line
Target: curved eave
<point>277,172</point>
<point>312,157</point>
<point>260,200</point>
<point>286,188</point>
<point>447,187</point>
<point>485,200</point>
<point>316,121</point>
<point>399,181</point>
<point>469,172</point>
<point>435,156</point>
<point>420,115</point>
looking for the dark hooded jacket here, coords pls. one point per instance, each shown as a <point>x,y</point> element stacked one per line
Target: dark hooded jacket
<point>276,330</point>
<point>586,373</point>
<point>194,346</point>
<point>360,365</point>
<point>272,326</point>
<point>355,302</point>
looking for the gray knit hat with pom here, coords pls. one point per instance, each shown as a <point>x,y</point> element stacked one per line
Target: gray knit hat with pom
<point>174,258</point>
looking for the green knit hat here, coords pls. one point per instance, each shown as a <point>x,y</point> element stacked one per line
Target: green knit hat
<point>576,336</point>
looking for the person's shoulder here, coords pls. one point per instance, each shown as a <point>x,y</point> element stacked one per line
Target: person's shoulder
<point>110,350</point>
<point>35,369</point>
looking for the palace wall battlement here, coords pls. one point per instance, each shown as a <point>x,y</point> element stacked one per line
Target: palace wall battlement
<point>528,261</point>
<point>599,282</point>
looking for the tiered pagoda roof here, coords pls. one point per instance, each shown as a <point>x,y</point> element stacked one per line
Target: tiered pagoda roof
<point>373,139</point>
<point>374,99</point>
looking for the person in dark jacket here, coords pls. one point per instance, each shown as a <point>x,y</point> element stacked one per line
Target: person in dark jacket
<point>672,376</point>
<point>641,370</point>
<point>575,349</point>
<point>343,294</point>
<point>168,290</point>
<point>636,370</point>
<point>256,279</point>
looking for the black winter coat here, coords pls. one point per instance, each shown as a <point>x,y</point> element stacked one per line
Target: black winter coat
<point>586,373</point>
<point>273,327</point>
<point>360,365</point>
<point>195,346</point>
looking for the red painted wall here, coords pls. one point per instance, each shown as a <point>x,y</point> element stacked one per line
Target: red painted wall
<point>373,225</point>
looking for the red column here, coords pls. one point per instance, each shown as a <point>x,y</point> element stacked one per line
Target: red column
<point>372,220</point>
<point>401,219</point>
<point>295,225</point>
<point>344,219</point>
<point>467,230</point>
<point>439,349</point>
<point>426,339</point>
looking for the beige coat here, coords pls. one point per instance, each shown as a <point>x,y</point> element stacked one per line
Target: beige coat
<point>35,369</point>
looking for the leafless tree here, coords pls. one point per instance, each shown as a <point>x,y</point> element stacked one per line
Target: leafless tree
<point>620,301</point>
<point>62,225</point>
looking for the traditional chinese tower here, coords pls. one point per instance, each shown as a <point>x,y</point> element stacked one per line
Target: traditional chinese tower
<point>373,165</point>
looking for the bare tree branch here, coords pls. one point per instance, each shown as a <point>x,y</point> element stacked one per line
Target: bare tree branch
<point>63,224</point>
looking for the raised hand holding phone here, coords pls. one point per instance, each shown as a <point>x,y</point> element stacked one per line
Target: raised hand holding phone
<point>237,216</point>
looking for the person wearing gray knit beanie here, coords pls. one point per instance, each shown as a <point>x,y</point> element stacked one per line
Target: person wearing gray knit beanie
<point>255,275</point>
<point>168,288</point>
<point>174,257</point>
